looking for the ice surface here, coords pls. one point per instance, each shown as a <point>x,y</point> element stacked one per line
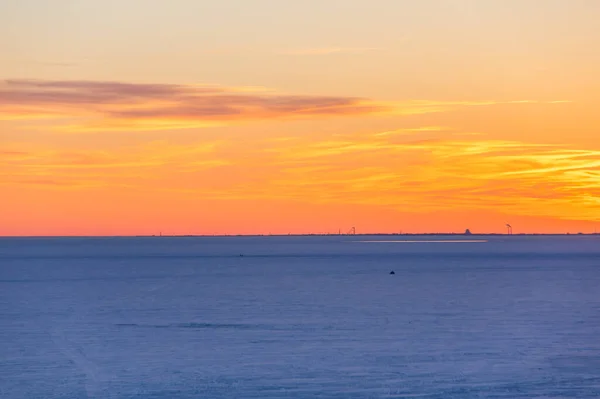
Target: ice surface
<point>299,317</point>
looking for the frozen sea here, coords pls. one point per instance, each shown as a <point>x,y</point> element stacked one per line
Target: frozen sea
<point>300,317</point>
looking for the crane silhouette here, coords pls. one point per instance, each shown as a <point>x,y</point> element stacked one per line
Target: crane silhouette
<point>509,228</point>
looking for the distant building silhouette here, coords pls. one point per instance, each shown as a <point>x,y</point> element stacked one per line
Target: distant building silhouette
<point>468,232</point>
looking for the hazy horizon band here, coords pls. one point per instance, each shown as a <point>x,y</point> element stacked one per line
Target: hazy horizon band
<point>423,241</point>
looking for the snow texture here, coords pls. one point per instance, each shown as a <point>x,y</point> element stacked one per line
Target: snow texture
<point>300,317</point>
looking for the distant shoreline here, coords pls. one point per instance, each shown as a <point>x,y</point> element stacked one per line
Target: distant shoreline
<point>321,235</point>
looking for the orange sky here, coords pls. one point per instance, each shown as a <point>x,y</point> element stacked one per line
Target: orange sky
<point>198,117</point>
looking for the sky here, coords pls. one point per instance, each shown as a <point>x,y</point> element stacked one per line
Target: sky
<point>143,117</point>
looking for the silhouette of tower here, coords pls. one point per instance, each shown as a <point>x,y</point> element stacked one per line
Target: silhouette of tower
<point>509,229</point>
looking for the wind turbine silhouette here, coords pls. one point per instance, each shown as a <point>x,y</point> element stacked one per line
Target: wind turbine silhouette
<point>509,227</point>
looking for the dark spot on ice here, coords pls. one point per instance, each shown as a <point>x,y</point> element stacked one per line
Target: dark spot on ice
<point>392,272</point>
<point>195,325</point>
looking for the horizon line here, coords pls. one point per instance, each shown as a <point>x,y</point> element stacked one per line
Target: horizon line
<point>295,235</point>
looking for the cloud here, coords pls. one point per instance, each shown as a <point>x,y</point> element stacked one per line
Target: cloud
<point>80,106</point>
<point>413,130</point>
<point>94,105</point>
<point>130,165</point>
<point>61,64</point>
<point>447,172</point>
<point>12,153</point>
<point>330,50</point>
<point>428,170</point>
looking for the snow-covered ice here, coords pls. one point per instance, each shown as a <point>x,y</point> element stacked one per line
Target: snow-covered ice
<point>300,317</point>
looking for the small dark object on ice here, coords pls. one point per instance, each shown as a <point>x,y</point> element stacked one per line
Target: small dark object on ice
<point>392,272</point>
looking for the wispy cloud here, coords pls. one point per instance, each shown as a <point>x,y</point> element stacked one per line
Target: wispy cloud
<point>330,50</point>
<point>59,64</point>
<point>444,173</point>
<point>131,165</point>
<point>79,106</point>
<point>412,130</point>
<point>90,105</point>
<point>428,170</point>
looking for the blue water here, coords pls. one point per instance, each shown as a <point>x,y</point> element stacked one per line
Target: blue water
<point>300,317</point>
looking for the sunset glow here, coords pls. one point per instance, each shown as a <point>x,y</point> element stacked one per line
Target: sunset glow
<point>271,118</point>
